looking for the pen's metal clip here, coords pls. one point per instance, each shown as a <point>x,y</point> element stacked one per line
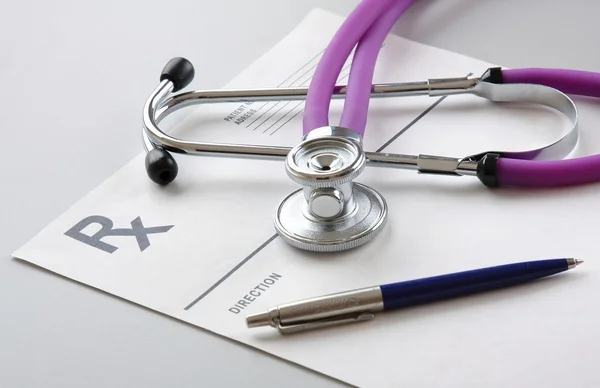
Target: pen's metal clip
<point>324,322</point>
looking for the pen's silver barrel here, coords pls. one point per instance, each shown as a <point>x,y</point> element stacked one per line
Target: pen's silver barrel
<point>333,305</point>
<point>316,309</point>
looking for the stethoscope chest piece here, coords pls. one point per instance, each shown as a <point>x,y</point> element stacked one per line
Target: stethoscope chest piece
<point>330,212</point>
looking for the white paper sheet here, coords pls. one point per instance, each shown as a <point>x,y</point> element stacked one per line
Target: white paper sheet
<point>222,246</point>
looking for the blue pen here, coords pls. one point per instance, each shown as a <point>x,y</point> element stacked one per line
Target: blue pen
<point>360,305</point>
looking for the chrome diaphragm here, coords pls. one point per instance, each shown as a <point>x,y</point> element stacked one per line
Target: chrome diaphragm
<point>330,212</point>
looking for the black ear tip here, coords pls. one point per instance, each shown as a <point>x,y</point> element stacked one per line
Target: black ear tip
<point>180,71</point>
<point>161,166</point>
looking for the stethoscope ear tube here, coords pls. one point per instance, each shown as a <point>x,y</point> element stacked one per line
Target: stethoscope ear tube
<point>493,168</point>
<point>160,165</point>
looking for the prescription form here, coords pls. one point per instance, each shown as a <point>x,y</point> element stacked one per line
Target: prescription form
<point>204,249</point>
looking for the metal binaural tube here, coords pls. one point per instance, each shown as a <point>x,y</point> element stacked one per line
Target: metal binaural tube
<point>242,151</point>
<point>162,103</point>
<point>159,106</point>
<point>401,161</point>
<point>431,87</point>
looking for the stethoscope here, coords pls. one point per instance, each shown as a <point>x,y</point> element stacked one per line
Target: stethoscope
<point>331,212</point>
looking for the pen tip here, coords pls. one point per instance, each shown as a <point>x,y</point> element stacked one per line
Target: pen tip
<point>574,262</point>
<point>259,319</point>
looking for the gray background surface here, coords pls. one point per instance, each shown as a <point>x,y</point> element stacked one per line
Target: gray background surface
<point>74,78</point>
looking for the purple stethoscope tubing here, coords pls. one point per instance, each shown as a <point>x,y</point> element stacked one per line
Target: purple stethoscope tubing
<point>367,27</point>
<point>528,173</point>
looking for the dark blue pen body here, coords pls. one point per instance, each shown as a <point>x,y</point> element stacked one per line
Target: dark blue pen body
<point>413,292</point>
